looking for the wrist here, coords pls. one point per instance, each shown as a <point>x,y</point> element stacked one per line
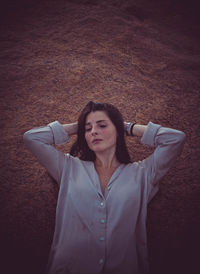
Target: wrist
<point>129,128</point>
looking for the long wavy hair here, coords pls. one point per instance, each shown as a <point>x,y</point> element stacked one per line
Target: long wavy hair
<point>80,148</point>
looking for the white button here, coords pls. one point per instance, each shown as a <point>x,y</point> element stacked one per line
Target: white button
<point>102,221</point>
<point>101,261</point>
<point>102,204</point>
<point>101,238</point>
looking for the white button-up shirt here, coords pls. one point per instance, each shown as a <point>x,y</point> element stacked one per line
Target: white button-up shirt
<point>96,233</point>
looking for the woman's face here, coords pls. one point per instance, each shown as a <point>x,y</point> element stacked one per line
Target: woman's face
<point>100,132</point>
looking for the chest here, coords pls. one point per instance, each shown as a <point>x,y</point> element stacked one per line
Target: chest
<point>104,177</point>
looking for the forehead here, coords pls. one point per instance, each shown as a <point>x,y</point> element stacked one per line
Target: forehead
<point>95,116</point>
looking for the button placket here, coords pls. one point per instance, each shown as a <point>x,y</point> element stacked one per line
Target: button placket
<point>102,204</point>
<point>102,230</point>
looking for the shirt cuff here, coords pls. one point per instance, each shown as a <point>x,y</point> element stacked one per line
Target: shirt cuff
<point>148,137</point>
<point>59,134</point>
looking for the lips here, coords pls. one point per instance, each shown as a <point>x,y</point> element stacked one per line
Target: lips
<point>95,141</point>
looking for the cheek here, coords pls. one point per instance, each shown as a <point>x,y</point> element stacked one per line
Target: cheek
<point>112,137</point>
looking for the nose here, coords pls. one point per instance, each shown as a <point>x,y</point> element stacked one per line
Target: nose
<point>94,131</point>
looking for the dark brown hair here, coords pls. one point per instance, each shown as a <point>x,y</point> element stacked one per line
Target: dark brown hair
<point>80,147</point>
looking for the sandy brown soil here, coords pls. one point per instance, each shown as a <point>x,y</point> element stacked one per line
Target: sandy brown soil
<point>142,56</point>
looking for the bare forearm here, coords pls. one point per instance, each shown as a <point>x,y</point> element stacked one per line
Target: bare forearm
<point>71,129</point>
<point>138,130</point>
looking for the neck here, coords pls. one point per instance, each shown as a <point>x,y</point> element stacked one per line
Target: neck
<point>106,160</point>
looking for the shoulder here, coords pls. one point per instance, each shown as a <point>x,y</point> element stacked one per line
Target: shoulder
<point>134,167</point>
<point>77,161</point>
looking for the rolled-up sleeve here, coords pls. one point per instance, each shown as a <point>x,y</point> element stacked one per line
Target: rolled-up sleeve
<point>41,140</point>
<point>168,145</point>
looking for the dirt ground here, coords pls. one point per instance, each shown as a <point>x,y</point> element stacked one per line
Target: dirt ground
<point>143,57</point>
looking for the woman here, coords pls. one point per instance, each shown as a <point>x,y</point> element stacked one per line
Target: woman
<point>103,197</point>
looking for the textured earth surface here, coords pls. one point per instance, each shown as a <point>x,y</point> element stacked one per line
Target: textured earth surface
<point>143,57</point>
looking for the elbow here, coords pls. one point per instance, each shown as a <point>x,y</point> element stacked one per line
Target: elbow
<point>180,141</point>
<point>182,137</point>
<point>178,138</point>
<point>27,137</point>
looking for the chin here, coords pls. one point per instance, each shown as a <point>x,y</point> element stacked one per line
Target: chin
<point>97,149</point>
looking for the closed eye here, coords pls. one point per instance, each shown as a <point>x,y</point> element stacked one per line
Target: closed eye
<point>89,128</point>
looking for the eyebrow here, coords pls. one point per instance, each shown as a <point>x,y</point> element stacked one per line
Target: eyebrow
<point>99,121</point>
